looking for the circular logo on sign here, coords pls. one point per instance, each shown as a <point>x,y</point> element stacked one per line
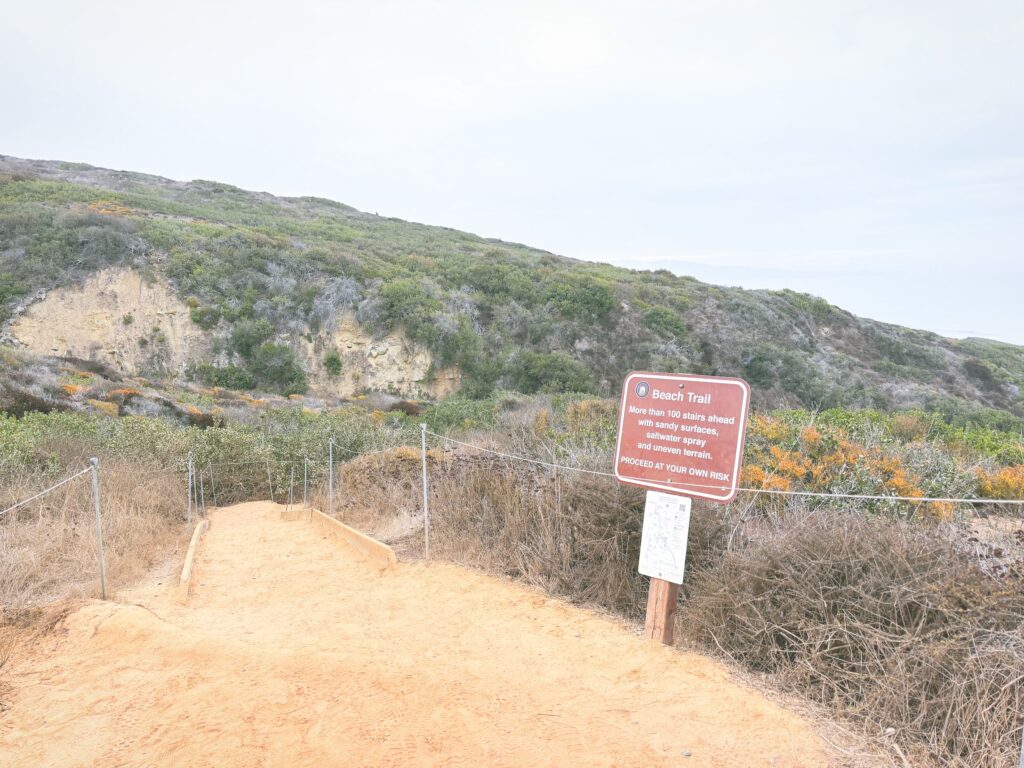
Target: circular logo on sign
<point>642,389</point>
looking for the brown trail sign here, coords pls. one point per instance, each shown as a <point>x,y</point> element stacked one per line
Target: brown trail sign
<point>679,436</point>
<point>682,434</point>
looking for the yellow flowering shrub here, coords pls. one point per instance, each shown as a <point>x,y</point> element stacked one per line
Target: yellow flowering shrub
<point>810,437</point>
<point>110,409</point>
<point>769,428</point>
<point>1004,483</point>
<point>124,392</point>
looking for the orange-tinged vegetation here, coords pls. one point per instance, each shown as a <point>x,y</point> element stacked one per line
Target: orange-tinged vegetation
<point>1004,483</point>
<point>768,427</point>
<point>110,409</point>
<point>124,392</point>
<point>782,457</point>
<point>810,437</point>
<point>755,477</point>
<point>110,208</point>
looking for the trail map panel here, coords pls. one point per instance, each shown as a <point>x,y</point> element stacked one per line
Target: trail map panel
<point>663,540</point>
<point>682,434</point>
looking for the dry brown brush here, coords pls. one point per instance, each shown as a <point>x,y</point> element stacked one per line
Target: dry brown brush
<point>48,549</point>
<point>879,619</point>
<point>572,537</point>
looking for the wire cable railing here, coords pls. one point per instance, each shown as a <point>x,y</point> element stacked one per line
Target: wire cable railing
<point>201,478</point>
<point>94,470</point>
<point>42,493</point>
<point>769,491</point>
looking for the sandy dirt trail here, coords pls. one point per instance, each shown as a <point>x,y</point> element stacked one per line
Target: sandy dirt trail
<point>289,653</point>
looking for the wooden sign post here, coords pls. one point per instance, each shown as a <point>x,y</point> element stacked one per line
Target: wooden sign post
<point>662,599</point>
<point>679,436</point>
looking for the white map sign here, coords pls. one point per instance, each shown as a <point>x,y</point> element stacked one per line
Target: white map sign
<point>663,541</point>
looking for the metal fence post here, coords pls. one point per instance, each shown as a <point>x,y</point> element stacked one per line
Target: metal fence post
<point>213,485</point>
<point>95,466</point>
<point>426,501</point>
<point>330,477</point>
<point>202,493</point>
<point>291,488</point>
<point>270,484</point>
<point>190,481</point>
<point>195,491</point>
<point>305,482</point>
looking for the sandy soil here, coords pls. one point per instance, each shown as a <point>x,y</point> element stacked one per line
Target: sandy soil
<point>287,654</point>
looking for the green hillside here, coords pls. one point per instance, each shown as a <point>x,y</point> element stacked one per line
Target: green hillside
<point>261,272</point>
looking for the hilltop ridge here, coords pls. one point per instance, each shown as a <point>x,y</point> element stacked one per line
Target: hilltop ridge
<point>265,283</point>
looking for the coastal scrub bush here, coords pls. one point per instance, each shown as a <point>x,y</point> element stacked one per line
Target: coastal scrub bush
<point>275,366</point>
<point>228,376</point>
<point>665,322</point>
<point>549,372</point>
<point>332,363</point>
<point>409,302</point>
<point>582,298</point>
<point>248,335</point>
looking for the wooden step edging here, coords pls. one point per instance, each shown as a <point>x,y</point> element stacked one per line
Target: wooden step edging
<point>371,551</point>
<point>186,572</point>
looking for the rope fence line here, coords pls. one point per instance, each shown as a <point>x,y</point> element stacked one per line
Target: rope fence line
<point>344,452</point>
<point>94,471</point>
<point>184,468</point>
<point>197,498</point>
<point>54,487</point>
<point>351,452</point>
<point>774,492</point>
<point>522,458</point>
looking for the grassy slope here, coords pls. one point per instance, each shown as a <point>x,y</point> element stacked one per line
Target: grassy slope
<point>508,314</point>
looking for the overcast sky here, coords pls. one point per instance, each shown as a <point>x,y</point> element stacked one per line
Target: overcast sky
<point>868,152</point>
